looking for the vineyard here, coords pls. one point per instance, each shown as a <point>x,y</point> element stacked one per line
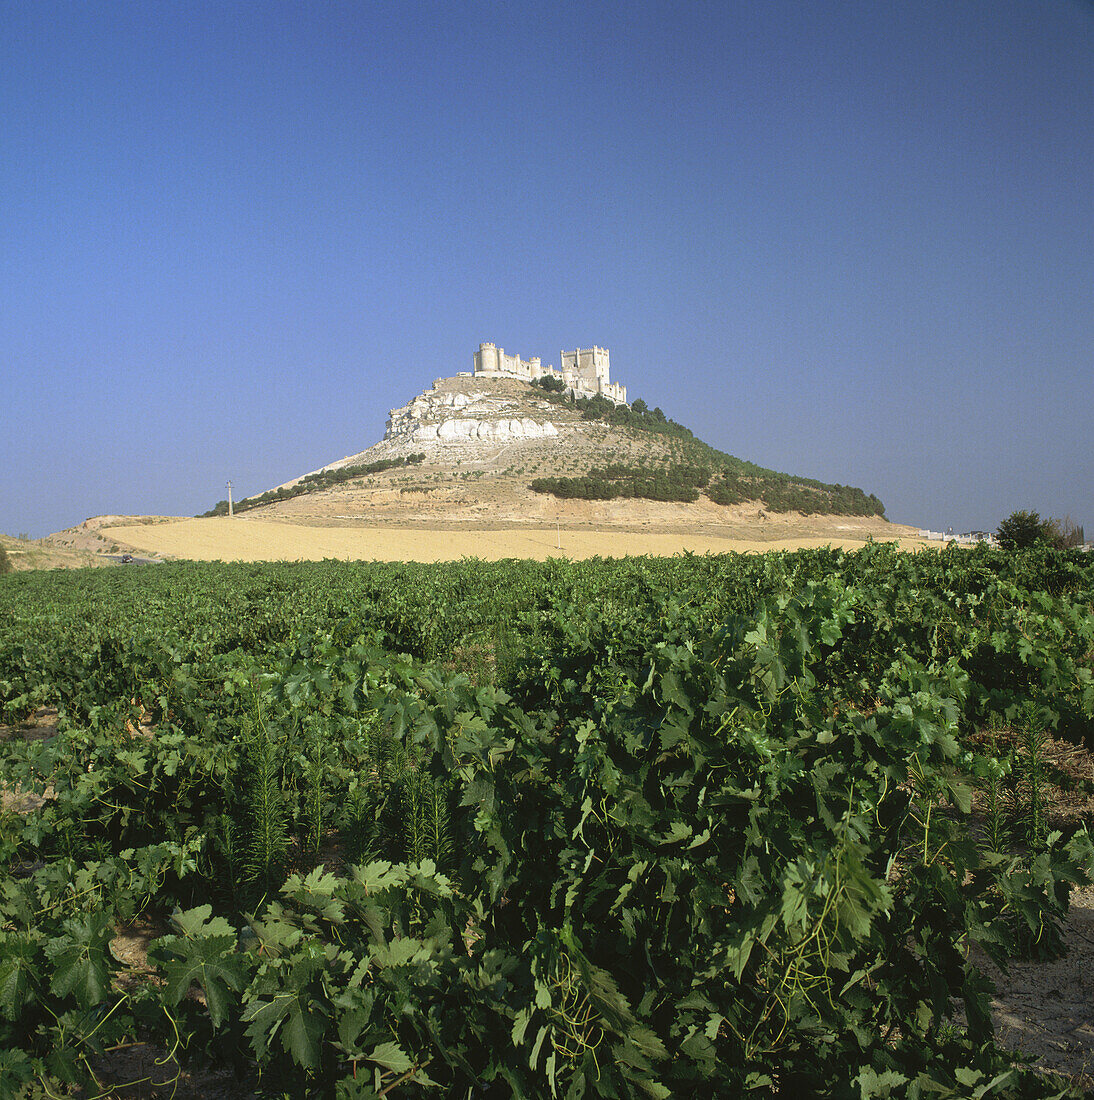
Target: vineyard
<point>650,828</point>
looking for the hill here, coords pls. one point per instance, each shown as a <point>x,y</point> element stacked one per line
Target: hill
<point>503,450</point>
<point>27,553</point>
<point>494,467</point>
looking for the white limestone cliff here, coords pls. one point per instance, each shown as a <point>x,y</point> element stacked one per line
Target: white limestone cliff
<point>428,419</point>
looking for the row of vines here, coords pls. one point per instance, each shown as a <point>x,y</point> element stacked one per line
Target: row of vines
<point>643,828</point>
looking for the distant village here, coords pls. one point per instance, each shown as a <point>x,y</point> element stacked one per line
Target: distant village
<point>966,539</point>
<point>970,538</point>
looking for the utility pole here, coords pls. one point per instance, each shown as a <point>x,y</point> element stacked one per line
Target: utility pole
<point>230,512</point>
<point>558,534</point>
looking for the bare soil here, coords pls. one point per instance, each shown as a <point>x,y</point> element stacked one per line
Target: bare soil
<point>1046,1009</point>
<point>40,726</point>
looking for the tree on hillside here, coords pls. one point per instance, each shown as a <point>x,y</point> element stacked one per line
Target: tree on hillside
<point>5,562</point>
<point>1021,529</point>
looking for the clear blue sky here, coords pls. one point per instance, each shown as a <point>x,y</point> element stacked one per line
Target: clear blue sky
<point>853,241</point>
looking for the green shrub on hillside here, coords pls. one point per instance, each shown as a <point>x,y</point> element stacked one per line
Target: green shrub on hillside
<point>731,480</point>
<point>620,482</point>
<point>683,481</point>
<point>310,483</point>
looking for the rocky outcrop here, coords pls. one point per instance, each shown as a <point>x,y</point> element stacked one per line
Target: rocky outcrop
<point>458,430</point>
<point>445,417</point>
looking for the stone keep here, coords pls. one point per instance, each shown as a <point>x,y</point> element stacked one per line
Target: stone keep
<point>588,367</point>
<point>585,371</point>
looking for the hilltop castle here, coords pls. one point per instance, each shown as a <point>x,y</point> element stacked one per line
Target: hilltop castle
<point>584,372</point>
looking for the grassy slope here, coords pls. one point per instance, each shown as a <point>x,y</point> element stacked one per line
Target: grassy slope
<point>40,554</point>
<point>734,480</point>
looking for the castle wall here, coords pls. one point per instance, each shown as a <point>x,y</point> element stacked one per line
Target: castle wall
<point>584,371</point>
<point>490,359</point>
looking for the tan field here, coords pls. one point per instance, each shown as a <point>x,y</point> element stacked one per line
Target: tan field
<point>245,539</point>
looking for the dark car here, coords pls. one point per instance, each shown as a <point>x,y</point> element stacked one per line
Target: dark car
<point>126,558</point>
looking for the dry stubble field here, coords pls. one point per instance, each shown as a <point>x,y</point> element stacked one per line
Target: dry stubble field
<point>245,539</point>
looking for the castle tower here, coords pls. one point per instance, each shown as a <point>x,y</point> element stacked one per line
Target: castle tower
<point>488,359</point>
<point>589,365</point>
